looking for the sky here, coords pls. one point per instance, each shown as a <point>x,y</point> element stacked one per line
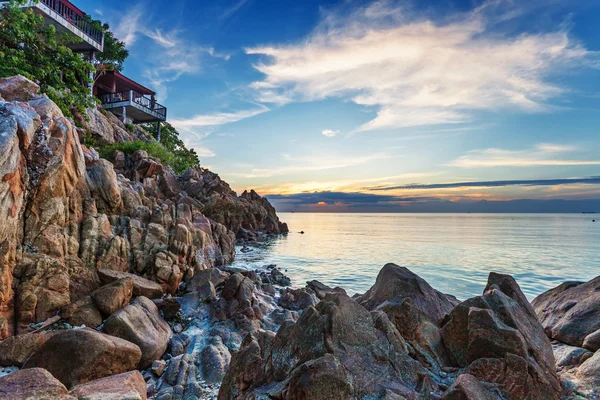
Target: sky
<point>379,106</point>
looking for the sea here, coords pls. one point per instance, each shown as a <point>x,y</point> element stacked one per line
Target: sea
<point>453,252</point>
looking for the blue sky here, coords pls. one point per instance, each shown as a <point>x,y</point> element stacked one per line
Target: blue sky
<point>398,99</point>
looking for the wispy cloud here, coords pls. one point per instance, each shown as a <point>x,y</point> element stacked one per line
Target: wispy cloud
<point>541,155</point>
<point>310,164</point>
<point>418,71</point>
<point>174,54</point>
<point>233,9</point>
<point>329,132</point>
<point>500,183</point>
<point>221,118</point>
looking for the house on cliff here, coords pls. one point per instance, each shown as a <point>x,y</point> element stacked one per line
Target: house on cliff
<point>122,96</point>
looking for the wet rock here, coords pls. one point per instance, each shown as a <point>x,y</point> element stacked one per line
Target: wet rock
<point>114,296</point>
<point>297,299</point>
<point>498,338</point>
<point>338,326</point>
<point>125,386</point>
<point>177,344</point>
<point>158,367</point>
<point>571,311</point>
<point>569,356</point>
<point>141,324</point>
<point>215,361</point>
<point>207,292</point>
<point>213,275</point>
<point>82,355</point>
<point>34,383</point>
<point>321,290</point>
<point>467,387</point>
<point>321,379</point>
<point>170,307</point>
<point>398,282</point>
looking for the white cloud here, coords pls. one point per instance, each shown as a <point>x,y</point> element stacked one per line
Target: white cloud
<point>311,164</point>
<point>544,154</point>
<point>211,120</point>
<point>418,71</point>
<point>329,132</point>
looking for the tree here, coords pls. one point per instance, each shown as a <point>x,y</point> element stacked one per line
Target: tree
<point>183,158</point>
<point>114,53</point>
<point>33,49</point>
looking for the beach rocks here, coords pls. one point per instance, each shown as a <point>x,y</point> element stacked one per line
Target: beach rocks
<point>34,383</point>
<point>16,349</point>
<point>141,286</point>
<point>398,282</point>
<point>499,341</point>
<point>114,296</point>
<point>125,386</point>
<point>570,313</point>
<point>140,323</point>
<point>82,355</point>
<point>18,88</point>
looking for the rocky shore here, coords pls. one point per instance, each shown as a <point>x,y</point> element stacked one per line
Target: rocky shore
<point>115,284</point>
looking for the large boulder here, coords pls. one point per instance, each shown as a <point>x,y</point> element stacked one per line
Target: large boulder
<point>395,282</point>
<point>18,88</point>
<point>141,323</point>
<point>125,386</point>
<point>570,313</point>
<point>34,384</point>
<point>498,339</point>
<point>141,286</point>
<point>114,296</point>
<point>16,349</point>
<point>82,355</point>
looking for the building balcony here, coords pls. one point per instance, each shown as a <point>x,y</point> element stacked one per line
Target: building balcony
<point>133,106</point>
<point>68,18</point>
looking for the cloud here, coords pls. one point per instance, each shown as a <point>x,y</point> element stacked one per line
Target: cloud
<point>310,164</point>
<point>174,54</point>
<point>233,9</point>
<point>542,155</point>
<point>329,132</point>
<point>417,71</point>
<point>534,182</point>
<point>216,119</point>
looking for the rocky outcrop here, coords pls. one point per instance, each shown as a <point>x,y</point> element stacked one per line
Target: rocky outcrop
<point>35,383</point>
<point>82,355</point>
<point>67,214</point>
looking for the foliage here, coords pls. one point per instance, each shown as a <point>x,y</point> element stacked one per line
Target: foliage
<point>114,53</point>
<point>30,48</point>
<point>130,127</point>
<point>183,158</point>
<point>153,149</point>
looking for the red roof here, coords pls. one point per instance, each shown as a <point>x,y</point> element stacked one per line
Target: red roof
<point>138,88</point>
<point>74,8</point>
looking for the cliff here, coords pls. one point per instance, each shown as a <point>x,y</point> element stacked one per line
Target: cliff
<point>66,213</point>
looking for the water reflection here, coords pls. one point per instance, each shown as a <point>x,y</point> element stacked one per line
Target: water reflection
<point>453,252</point>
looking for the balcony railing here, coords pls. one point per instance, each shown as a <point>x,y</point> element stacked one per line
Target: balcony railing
<point>137,98</point>
<point>75,18</point>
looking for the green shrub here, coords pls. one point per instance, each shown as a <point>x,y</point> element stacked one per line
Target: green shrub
<point>153,149</point>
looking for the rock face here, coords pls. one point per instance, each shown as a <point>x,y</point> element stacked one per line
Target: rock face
<point>83,355</point>
<point>34,383</point>
<point>67,214</point>
<point>141,324</point>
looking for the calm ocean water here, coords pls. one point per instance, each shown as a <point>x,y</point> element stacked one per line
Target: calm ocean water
<point>453,252</point>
